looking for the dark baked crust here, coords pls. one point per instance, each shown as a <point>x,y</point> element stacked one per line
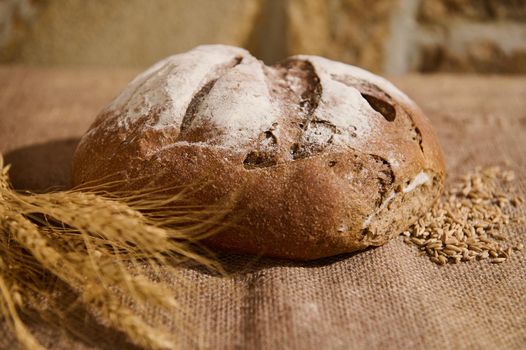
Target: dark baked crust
<point>328,158</point>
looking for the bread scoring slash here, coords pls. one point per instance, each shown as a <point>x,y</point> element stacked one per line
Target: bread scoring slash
<point>313,157</point>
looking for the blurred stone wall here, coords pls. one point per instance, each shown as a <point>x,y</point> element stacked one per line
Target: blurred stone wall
<point>471,35</point>
<point>118,32</point>
<point>385,36</point>
<point>398,36</point>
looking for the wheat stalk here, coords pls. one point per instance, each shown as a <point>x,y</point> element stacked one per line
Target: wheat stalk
<point>101,244</point>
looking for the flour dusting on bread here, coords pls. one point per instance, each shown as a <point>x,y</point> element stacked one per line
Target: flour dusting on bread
<point>173,82</point>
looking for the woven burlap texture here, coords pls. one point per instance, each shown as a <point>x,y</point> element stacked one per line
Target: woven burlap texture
<point>382,298</point>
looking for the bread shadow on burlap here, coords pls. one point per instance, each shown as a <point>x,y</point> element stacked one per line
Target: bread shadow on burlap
<point>238,264</point>
<point>42,167</point>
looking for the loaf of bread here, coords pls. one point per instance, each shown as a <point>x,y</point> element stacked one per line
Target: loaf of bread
<point>314,157</point>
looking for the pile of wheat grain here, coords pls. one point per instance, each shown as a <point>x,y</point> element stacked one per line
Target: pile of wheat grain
<point>467,222</point>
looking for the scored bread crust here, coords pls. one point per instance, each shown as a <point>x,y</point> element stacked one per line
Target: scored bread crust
<point>313,157</point>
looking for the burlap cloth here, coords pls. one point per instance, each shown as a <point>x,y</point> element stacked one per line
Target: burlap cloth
<point>386,297</point>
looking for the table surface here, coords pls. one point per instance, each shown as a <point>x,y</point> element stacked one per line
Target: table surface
<point>380,298</point>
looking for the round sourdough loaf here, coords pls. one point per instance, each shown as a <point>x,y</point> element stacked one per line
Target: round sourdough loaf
<point>314,157</point>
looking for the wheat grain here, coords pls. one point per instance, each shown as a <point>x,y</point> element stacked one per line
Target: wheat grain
<point>466,222</point>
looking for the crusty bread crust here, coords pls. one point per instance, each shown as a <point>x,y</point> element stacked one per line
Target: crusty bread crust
<point>314,157</point>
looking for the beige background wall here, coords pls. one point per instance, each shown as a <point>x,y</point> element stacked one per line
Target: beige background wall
<point>386,36</point>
